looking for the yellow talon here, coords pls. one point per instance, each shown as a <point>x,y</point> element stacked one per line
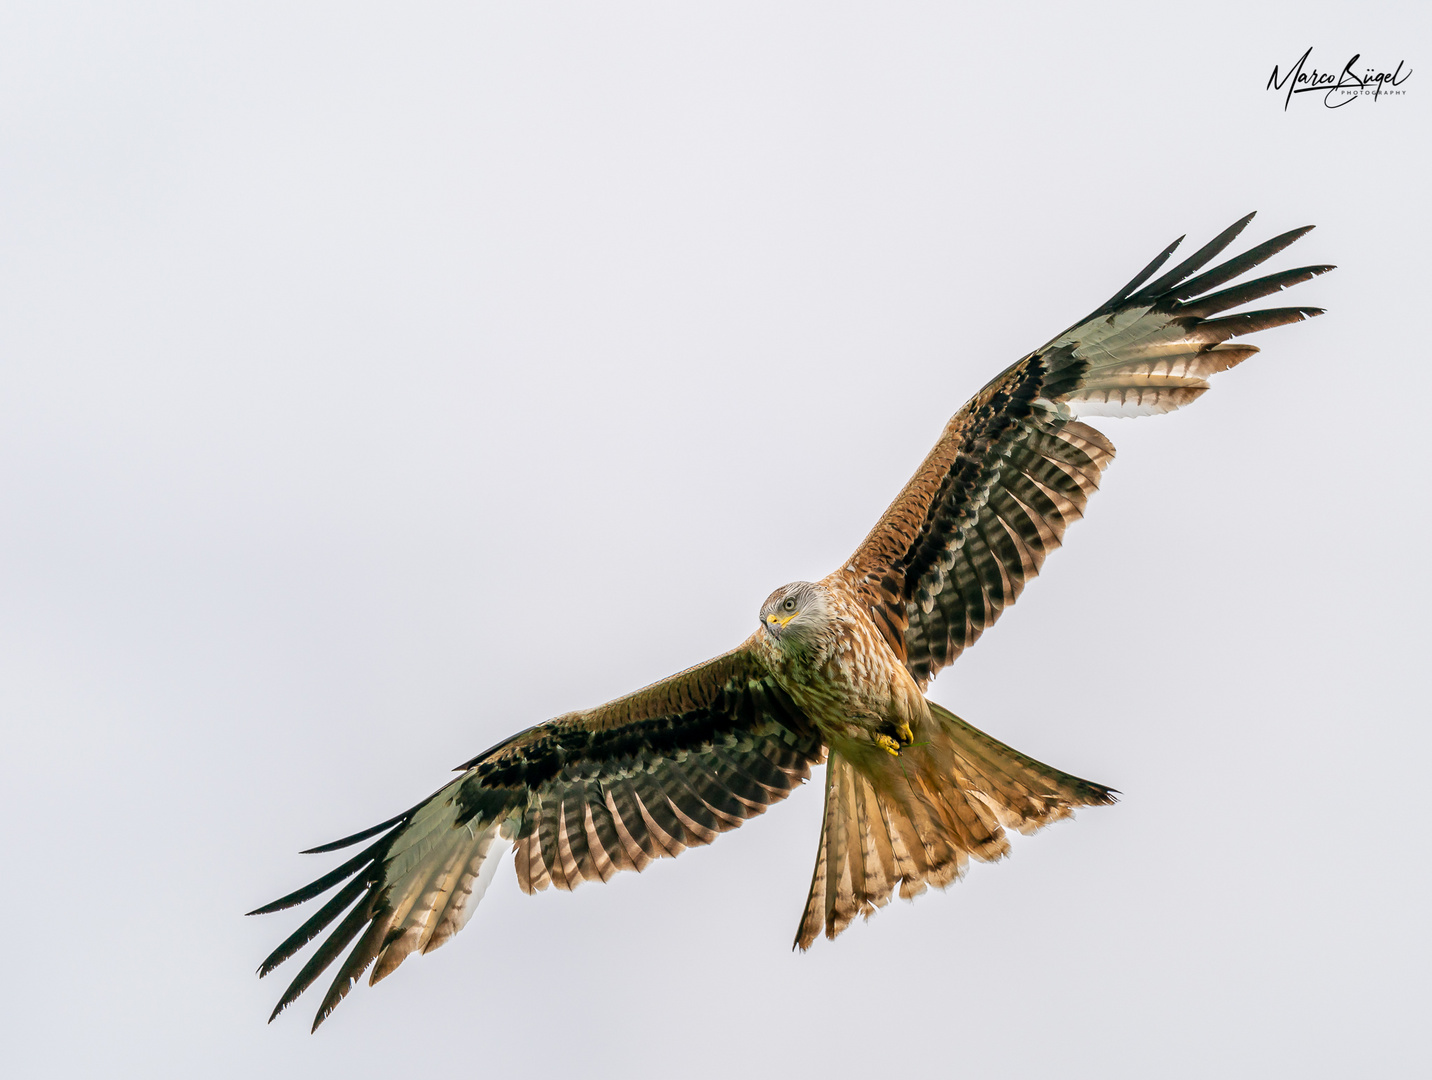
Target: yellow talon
<point>906,735</point>
<point>889,745</point>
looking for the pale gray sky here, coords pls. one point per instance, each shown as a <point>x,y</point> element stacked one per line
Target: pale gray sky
<point>379,380</point>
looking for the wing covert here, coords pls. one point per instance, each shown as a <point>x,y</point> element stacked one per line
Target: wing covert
<point>652,773</point>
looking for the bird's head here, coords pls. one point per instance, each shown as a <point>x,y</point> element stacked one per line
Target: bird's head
<point>796,615</point>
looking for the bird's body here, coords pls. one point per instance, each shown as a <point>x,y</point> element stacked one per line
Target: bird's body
<point>839,670</point>
<point>835,671</point>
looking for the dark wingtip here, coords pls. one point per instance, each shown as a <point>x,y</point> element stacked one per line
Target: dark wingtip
<point>1239,264</point>
<point>1143,275</point>
<point>316,924</point>
<point>291,900</point>
<point>322,1016</point>
<point>349,841</point>
<point>328,880</point>
<point>1242,223</point>
<point>1195,262</point>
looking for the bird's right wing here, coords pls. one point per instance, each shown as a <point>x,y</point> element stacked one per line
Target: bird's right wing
<point>643,777</point>
<point>1015,466</point>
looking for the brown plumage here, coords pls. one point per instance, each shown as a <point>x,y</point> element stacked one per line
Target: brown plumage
<point>835,671</point>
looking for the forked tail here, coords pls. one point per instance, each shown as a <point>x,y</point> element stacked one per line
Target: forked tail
<point>914,820</point>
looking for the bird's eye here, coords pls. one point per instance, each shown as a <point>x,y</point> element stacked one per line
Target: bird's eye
<point>790,604</point>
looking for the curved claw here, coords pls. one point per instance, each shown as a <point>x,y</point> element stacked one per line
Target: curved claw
<point>889,745</point>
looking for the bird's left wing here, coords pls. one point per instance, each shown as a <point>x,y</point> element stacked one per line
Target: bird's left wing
<point>582,796</point>
<point>1015,466</point>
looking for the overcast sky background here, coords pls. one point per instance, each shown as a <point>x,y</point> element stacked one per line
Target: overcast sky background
<point>376,381</point>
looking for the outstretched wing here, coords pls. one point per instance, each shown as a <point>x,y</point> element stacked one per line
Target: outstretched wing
<point>1015,467</point>
<point>580,797</point>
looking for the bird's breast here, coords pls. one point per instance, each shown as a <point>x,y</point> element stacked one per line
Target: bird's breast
<point>854,683</point>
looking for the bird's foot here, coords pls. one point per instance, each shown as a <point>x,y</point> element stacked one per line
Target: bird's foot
<point>902,737</point>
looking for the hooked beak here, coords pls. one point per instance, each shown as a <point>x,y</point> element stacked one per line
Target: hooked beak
<point>776,623</point>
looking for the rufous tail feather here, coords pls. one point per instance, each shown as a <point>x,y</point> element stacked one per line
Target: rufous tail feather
<point>899,821</point>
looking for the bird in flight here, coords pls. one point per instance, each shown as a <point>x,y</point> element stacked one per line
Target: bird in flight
<point>835,671</point>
